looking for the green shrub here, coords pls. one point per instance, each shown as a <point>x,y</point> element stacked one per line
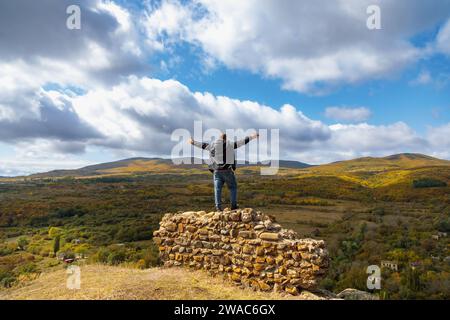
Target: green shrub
<point>328,284</point>
<point>101,256</point>
<point>56,243</point>
<point>28,268</point>
<point>22,243</point>
<point>4,251</point>
<point>8,281</point>
<point>428,183</point>
<point>444,225</point>
<point>116,258</point>
<point>151,256</point>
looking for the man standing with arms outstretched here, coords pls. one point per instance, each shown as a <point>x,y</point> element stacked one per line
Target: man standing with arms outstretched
<point>222,165</point>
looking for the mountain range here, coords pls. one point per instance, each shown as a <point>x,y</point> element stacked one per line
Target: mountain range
<point>367,171</point>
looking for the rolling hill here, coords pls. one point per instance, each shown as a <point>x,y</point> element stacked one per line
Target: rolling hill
<point>393,162</point>
<point>381,172</point>
<point>149,165</point>
<point>371,172</point>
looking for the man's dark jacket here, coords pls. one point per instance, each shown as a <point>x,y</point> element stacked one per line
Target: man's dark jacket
<point>221,153</point>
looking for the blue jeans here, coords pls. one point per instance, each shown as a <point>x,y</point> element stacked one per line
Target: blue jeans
<point>221,177</point>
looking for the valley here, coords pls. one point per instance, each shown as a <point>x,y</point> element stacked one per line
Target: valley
<point>367,210</point>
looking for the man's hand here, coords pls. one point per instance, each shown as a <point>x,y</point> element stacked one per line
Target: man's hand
<point>191,141</point>
<point>254,136</point>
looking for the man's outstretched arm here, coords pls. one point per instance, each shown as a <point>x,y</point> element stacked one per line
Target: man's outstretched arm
<point>243,142</point>
<point>202,145</point>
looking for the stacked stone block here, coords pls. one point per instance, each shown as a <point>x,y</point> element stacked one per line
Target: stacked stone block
<point>245,246</point>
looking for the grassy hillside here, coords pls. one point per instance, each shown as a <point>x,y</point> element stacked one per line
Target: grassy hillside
<point>371,164</point>
<point>381,172</point>
<point>144,166</point>
<point>400,169</point>
<point>368,172</point>
<point>118,283</point>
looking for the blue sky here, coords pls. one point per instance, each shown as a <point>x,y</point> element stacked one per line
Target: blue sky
<point>138,70</point>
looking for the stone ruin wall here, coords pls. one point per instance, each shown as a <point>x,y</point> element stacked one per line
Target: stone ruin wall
<point>245,246</point>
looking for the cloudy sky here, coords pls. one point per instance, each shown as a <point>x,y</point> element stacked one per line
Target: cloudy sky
<point>137,70</point>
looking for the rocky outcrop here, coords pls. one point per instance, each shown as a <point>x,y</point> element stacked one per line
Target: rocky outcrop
<point>245,246</point>
<point>353,294</point>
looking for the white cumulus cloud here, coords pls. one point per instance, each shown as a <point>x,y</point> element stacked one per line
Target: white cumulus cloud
<point>348,114</point>
<point>311,46</point>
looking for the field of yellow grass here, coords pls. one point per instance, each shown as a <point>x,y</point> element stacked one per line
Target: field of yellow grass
<point>101,282</point>
<point>381,172</point>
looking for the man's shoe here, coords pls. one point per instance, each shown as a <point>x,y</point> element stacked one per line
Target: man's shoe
<point>234,207</point>
<point>219,208</point>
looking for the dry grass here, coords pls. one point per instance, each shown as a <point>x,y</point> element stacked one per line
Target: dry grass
<point>298,218</point>
<point>379,172</point>
<point>117,283</point>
